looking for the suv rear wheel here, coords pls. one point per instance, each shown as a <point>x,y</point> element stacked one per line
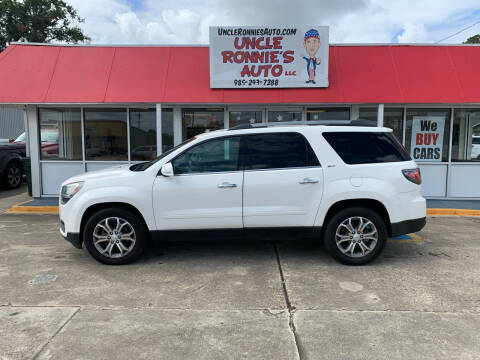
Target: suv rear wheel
<point>355,236</point>
<point>114,236</point>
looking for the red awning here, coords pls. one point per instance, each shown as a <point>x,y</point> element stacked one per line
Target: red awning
<point>180,74</point>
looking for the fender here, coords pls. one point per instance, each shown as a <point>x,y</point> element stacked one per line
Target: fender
<point>374,189</point>
<point>141,200</point>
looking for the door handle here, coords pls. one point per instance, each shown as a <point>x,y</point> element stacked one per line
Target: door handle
<point>226,185</point>
<point>308,181</point>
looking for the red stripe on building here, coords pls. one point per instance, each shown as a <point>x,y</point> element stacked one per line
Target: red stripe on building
<point>162,74</point>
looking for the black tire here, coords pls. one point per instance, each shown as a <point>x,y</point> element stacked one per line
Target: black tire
<point>13,175</point>
<point>125,215</point>
<point>355,212</point>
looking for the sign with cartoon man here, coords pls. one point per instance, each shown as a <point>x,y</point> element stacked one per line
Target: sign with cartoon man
<point>311,43</point>
<point>268,57</point>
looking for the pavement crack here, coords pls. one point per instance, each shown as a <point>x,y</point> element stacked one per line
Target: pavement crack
<point>55,334</point>
<point>291,308</point>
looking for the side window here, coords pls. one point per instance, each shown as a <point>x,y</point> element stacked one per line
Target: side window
<point>216,155</point>
<point>366,147</point>
<point>277,151</point>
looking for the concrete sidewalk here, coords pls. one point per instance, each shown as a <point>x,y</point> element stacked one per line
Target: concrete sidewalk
<point>242,300</point>
<point>9,197</point>
<point>49,205</point>
<point>453,204</point>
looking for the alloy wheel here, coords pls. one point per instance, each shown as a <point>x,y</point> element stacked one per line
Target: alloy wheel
<point>114,237</point>
<point>14,176</point>
<point>356,236</point>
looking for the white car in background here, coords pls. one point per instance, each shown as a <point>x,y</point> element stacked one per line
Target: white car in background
<point>475,154</point>
<point>351,187</point>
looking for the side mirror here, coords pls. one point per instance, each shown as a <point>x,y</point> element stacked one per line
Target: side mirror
<point>167,170</point>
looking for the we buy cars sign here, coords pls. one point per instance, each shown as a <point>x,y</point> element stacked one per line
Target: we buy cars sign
<point>263,57</point>
<point>427,138</point>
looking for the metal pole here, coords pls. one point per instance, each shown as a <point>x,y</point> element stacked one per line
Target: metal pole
<point>380,115</point>
<point>159,129</point>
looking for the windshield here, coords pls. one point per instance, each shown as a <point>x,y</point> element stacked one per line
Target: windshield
<point>145,165</point>
<point>50,136</point>
<point>20,138</point>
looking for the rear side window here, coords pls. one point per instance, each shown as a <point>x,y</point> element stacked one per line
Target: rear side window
<point>366,147</point>
<point>277,151</point>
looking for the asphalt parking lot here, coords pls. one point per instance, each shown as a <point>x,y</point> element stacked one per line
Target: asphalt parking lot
<point>242,300</point>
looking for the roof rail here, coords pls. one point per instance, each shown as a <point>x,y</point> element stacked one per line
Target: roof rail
<point>357,122</point>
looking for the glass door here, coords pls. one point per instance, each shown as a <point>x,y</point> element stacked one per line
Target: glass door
<point>328,113</point>
<point>244,116</point>
<point>281,115</point>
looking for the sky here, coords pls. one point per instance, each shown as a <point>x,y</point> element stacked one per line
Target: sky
<point>350,21</point>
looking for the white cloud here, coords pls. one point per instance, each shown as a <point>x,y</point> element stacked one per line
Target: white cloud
<point>413,33</point>
<point>130,26</point>
<point>187,21</point>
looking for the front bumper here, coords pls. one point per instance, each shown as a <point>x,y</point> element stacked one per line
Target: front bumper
<point>73,238</point>
<point>408,226</point>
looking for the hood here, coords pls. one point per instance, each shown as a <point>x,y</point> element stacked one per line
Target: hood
<point>111,172</point>
<point>12,146</point>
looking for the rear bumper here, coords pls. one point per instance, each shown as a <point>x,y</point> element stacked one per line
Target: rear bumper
<point>73,238</point>
<point>408,226</point>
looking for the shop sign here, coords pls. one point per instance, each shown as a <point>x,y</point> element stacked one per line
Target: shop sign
<point>272,57</point>
<point>427,138</point>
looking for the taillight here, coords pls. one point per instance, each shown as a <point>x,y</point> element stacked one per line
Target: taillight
<point>413,175</point>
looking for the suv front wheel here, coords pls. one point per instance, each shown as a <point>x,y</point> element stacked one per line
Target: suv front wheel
<point>355,236</point>
<point>114,236</point>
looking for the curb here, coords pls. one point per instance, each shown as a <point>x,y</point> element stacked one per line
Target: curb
<point>19,209</point>
<point>456,212</point>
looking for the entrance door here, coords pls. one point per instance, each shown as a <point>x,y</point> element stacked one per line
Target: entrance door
<point>244,116</point>
<point>254,115</point>
<point>283,181</point>
<point>206,191</point>
<point>282,115</point>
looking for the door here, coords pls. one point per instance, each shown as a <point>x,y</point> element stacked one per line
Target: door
<point>206,191</point>
<point>283,181</point>
<point>283,114</point>
<point>244,116</point>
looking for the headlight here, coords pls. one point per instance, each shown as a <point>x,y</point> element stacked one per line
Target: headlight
<point>69,190</point>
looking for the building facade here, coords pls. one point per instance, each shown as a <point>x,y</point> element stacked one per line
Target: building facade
<point>91,107</point>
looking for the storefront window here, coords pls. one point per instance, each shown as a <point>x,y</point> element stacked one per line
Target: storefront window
<point>197,121</point>
<point>466,135</point>
<point>60,134</point>
<point>106,134</point>
<point>244,117</point>
<point>427,134</point>
<point>167,129</point>
<point>284,115</point>
<point>393,119</point>
<point>143,134</point>
<point>368,113</point>
<point>328,113</point>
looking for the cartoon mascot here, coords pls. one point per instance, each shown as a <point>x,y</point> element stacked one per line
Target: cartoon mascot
<point>311,42</point>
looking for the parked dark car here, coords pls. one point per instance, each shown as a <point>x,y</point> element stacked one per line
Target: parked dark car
<point>11,171</point>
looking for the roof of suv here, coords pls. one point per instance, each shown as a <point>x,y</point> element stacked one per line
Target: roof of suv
<point>356,122</point>
<point>295,128</point>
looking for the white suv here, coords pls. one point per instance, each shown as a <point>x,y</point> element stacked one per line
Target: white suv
<point>351,186</point>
